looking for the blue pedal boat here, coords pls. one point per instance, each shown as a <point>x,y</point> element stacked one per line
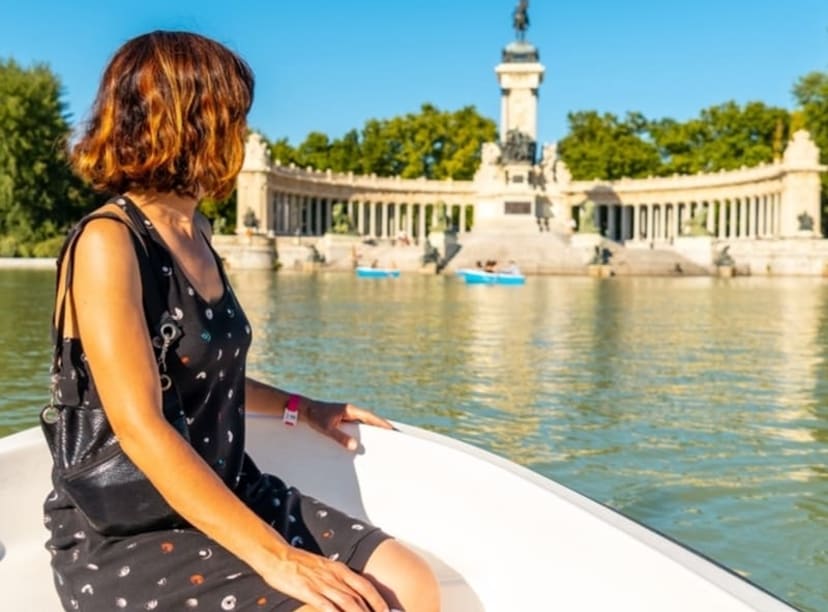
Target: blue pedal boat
<point>366,272</point>
<point>481,277</point>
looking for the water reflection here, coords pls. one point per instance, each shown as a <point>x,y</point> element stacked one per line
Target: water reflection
<point>26,305</point>
<point>696,405</point>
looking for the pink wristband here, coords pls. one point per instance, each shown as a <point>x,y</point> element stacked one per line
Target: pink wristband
<point>291,415</point>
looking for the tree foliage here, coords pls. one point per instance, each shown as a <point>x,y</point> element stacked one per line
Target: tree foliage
<point>39,195</point>
<point>722,137</point>
<point>432,143</point>
<point>605,147</point>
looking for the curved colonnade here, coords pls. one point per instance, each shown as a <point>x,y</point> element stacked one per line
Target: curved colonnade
<point>301,202</point>
<point>741,204</point>
<point>776,200</point>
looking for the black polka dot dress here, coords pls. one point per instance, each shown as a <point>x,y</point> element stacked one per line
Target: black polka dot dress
<point>183,569</point>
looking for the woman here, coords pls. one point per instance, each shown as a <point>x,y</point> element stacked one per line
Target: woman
<point>167,129</point>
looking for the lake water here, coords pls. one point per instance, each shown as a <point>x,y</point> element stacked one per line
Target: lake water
<point>697,406</point>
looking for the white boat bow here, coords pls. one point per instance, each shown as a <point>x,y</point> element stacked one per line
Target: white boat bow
<point>500,537</point>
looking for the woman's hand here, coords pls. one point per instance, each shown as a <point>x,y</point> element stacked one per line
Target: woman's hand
<point>328,586</point>
<point>326,417</point>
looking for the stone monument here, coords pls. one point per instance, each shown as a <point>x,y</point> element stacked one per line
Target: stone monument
<point>517,193</point>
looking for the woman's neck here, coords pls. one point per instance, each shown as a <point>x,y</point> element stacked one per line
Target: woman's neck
<point>170,209</point>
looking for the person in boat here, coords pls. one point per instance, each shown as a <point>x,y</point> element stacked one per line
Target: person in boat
<point>510,268</point>
<point>490,266</point>
<point>167,129</point>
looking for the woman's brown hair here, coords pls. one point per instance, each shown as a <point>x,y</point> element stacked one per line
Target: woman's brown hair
<point>170,116</point>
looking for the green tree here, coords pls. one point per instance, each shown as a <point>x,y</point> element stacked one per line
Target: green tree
<point>282,150</point>
<point>434,144</point>
<point>431,143</point>
<point>39,195</point>
<point>811,91</point>
<point>343,154</point>
<point>723,137</point>
<point>604,147</point>
<point>460,155</point>
<point>314,151</point>
<point>221,213</point>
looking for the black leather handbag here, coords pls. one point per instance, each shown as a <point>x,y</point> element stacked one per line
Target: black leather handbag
<point>89,465</point>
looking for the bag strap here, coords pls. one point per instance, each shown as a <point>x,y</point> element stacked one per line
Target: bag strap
<point>149,263</point>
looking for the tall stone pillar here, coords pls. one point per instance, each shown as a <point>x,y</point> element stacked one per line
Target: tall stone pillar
<point>253,246</point>
<point>252,191</point>
<point>520,75</point>
<point>800,206</point>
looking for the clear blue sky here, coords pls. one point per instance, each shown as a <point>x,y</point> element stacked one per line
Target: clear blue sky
<point>331,64</point>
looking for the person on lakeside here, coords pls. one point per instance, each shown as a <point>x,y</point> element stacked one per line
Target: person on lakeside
<point>167,129</point>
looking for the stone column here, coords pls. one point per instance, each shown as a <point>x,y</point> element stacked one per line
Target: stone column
<point>611,229</point>
<point>409,221</point>
<point>777,215</point>
<point>731,205</point>
<point>387,228</point>
<point>709,219</point>
<point>283,211</point>
<point>372,219</point>
<point>307,216</point>
<point>328,214</point>
<point>625,223</point>
<point>722,219</point>
<point>421,222</point>
<point>675,231</point>
<point>277,211</point>
<point>358,217</point>
<point>743,218</point>
<point>754,216</point>
<point>655,213</point>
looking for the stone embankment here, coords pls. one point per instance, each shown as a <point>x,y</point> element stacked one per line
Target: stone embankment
<point>534,255</point>
<point>27,263</point>
<point>547,253</point>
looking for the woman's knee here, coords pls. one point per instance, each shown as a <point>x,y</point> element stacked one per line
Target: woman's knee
<point>403,578</point>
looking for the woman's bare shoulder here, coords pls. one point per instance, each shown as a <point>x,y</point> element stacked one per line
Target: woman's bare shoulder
<point>105,248</point>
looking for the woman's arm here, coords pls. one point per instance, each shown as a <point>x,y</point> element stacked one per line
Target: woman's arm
<point>325,417</point>
<point>107,303</point>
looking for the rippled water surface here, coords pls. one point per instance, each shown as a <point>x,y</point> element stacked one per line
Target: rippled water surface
<point>698,406</point>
